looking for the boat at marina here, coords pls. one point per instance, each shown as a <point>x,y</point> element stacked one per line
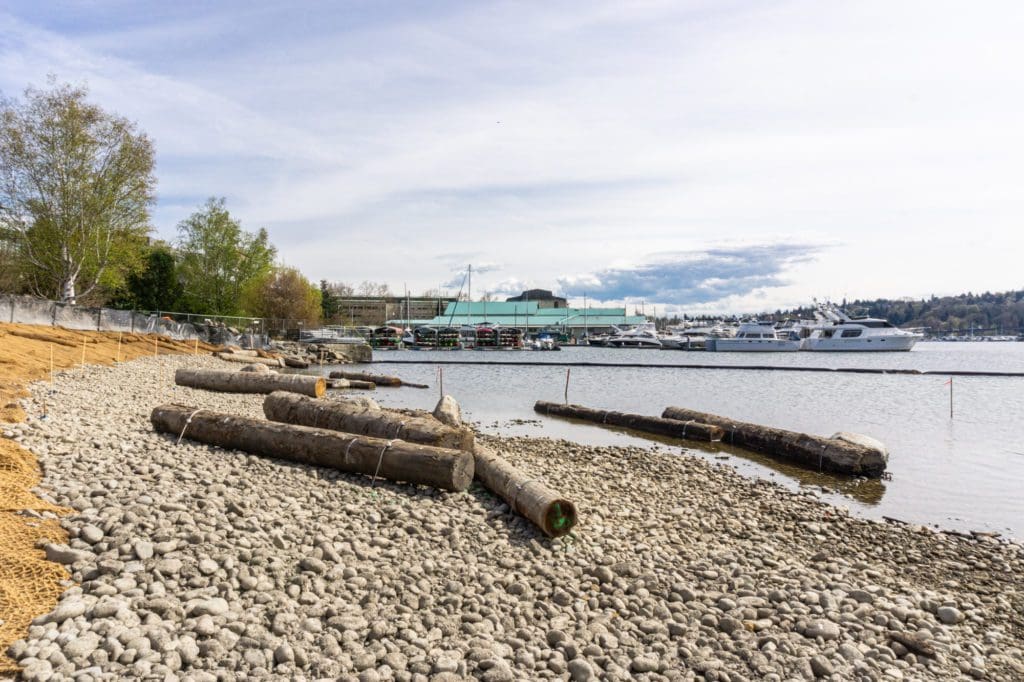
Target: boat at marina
<point>642,336</point>
<point>840,332</point>
<point>758,336</point>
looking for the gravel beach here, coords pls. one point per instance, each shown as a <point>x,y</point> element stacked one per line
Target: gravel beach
<point>192,562</point>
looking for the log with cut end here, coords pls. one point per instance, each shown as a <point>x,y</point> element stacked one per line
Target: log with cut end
<point>822,454</point>
<point>378,379</point>
<point>250,359</point>
<point>343,416</point>
<point>692,430</point>
<point>250,382</point>
<point>395,460</point>
<point>526,495</point>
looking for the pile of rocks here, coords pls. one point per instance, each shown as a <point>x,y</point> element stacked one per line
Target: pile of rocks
<point>326,353</point>
<point>193,562</point>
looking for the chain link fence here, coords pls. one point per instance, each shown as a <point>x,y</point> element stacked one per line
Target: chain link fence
<point>247,332</point>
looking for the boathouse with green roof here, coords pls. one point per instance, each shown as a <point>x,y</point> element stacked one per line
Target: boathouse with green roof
<point>528,316</point>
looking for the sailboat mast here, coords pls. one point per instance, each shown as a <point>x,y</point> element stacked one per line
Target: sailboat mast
<point>586,327</point>
<point>469,291</point>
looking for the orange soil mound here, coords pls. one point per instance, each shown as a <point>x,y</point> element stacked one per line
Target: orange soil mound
<point>30,585</point>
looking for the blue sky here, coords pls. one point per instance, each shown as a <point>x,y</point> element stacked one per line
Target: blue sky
<point>700,156</point>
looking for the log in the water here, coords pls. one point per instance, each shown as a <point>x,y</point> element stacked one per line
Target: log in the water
<point>250,382</point>
<point>249,359</point>
<point>351,383</point>
<point>343,416</point>
<point>693,430</point>
<point>378,379</point>
<point>814,452</point>
<point>394,460</point>
<point>526,495</point>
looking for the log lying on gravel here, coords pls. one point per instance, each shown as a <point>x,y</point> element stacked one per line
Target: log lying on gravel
<point>692,430</point>
<point>395,460</point>
<point>837,455</point>
<point>250,382</point>
<point>525,494</point>
<point>340,415</point>
<point>249,359</point>
<point>378,379</point>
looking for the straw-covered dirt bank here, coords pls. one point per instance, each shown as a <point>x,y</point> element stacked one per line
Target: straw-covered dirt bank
<point>201,563</point>
<point>30,585</point>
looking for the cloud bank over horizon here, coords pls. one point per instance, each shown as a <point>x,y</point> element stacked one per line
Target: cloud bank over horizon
<point>547,144</point>
<point>694,278</point>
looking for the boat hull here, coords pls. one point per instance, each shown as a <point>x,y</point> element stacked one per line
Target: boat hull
<point>755,345</point>
<point>875,344</point>
<point>634,343</point>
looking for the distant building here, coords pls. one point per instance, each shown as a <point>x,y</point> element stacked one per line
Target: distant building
<point>375,310</point>
<point>528,316</point>
<point>542,297</point>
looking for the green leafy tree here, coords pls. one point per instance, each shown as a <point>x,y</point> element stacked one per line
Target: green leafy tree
<point>76,187</point>
<point>329,306</point>
<point>284,294</point>
<point>156,286</point>
<point>218,261</point>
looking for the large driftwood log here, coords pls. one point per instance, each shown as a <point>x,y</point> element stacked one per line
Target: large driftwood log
<point>394,460</point>
<point>249,359</point>
<point>378,379</point>
<point>250,382</point>
<point>343,416</point>
<point>814,452</point>
<point>526,495</point>
<point>693,430</point>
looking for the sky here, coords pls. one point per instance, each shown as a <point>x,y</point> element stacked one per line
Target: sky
<point>689,156</point>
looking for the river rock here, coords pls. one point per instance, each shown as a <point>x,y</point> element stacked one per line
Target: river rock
<point>447,411</point>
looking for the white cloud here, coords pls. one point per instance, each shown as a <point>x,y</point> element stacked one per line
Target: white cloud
<point>580,139</point>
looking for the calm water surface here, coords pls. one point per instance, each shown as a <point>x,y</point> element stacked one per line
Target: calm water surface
<point>962,473</point>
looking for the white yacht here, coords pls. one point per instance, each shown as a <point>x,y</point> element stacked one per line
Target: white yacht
<point>844,333</point>
<point>642,336</point>
<point>757,337</point>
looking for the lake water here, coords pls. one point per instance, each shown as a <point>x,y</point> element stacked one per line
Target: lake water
<point>963,473</point>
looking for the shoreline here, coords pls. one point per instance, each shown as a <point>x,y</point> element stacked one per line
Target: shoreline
<point>192,560</point>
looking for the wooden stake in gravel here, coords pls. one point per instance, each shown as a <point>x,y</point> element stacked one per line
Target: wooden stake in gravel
<point>340,415</point>
<point>526,495</point>
<point>395,460</point>
<point>250,382</point>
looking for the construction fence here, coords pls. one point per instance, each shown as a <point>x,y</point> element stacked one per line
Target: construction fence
<point>246,332</point>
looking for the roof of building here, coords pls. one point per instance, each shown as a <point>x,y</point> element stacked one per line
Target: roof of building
<point>536,295</point>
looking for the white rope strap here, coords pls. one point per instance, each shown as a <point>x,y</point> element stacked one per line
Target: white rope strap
<point>349,447</point>
<point>685,424</point>
<point>379,460</point>
<point>515,495</point>
<point>398,429</point>
<point>187,422</point>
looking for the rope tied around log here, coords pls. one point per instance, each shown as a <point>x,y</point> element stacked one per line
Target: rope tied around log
<point>379,461</point>
<point>398,428</point>
<point>685,424</point>
<point>316,416</point>
<point>515,495</point>
<point>187,422</point>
